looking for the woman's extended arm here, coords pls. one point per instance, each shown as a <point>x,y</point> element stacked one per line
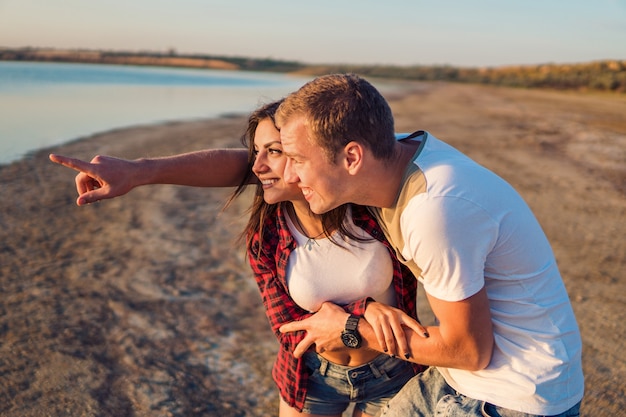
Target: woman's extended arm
<point>108,177</point>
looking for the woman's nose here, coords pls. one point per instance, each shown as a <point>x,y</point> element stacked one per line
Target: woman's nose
<point>259,165</point>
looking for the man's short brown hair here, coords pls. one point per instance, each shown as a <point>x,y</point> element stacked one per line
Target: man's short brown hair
<point>341,108</point>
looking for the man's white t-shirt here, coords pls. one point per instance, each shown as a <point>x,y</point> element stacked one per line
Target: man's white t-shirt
<point>460,227</point>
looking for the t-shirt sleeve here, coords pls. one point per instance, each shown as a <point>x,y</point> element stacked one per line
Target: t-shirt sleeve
<point>449,238</point>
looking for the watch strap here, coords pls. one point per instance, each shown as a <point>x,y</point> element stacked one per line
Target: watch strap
<point>353,322</point>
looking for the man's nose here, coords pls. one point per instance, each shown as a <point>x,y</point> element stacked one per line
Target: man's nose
<point>290,173</point>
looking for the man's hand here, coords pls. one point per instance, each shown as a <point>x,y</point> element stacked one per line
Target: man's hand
<point>322,329</point>
<point>104,177</point>
<point>387,323</point>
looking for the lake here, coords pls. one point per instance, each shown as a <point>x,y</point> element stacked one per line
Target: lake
<point>46,104</point>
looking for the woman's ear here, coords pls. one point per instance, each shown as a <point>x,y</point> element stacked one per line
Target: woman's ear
<point>353,157</point>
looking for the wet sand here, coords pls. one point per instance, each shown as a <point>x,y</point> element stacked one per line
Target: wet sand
<point>144,305</point>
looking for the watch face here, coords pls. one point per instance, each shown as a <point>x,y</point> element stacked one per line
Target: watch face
<point>350,340</point>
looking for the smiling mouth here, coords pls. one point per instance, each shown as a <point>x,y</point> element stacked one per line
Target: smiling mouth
<point>306,192</point>
<point>268,182</point>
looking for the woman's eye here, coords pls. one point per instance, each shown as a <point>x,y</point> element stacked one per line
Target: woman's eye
<point>275,151</point>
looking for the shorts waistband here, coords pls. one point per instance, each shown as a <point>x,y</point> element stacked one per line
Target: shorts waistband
<point>376,368</point>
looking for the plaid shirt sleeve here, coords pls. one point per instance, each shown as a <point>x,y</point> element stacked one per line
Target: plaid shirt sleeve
<point>268,259</point>
<point>279,306</point>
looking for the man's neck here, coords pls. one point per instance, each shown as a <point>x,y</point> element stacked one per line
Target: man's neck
<point>385,178</point>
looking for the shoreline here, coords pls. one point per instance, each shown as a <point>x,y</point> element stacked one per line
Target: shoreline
<point>113,131</point>
<point>145,305</point>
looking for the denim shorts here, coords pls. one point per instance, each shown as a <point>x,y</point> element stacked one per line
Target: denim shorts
<point>331,387</point>
<point>429,394</point>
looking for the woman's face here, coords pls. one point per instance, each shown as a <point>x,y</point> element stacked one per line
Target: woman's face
<point>269,165</point>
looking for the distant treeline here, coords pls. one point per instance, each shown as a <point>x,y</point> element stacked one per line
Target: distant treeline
<point>169,59</point>
<point>609,75</point>
<point>598,76</point>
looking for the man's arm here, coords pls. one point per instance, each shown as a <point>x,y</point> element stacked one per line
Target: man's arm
<point>463,339</point>
<point>108,177</point>
<point>464,335</point>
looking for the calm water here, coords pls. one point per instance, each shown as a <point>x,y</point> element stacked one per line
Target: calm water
<point>45,104</point>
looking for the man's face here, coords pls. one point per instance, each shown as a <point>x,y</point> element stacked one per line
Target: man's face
<point>307,166</point>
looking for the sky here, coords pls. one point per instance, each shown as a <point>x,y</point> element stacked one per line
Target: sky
<point>465,33</point>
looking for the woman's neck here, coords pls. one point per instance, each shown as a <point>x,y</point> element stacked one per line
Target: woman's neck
<point>309,222</point>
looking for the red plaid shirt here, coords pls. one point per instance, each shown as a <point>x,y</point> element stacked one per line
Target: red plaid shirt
<point>269,265</point>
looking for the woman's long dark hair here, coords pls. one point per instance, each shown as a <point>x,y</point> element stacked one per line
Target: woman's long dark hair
<point>260,210</point>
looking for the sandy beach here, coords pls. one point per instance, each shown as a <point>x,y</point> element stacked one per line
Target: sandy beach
<point>145,306</point>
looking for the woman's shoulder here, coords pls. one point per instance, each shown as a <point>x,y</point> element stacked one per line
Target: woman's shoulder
<point>360,212</point>
<point>273,233</point>
<point>362,216</point>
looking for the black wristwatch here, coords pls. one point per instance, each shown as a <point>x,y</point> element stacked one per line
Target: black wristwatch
<point>350,336</point>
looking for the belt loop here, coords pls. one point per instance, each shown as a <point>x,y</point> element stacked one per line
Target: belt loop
<point>323,365</point>
<point>377,373</point>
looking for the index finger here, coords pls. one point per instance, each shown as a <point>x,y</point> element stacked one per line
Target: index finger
<point>302,347</point>
<point>416,326</point>
<point>73,163</point>
<point>293,326</point>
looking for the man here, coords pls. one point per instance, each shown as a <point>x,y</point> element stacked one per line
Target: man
<point>507,342</point>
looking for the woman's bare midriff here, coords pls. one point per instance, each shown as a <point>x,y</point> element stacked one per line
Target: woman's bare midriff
<point>350,357</point>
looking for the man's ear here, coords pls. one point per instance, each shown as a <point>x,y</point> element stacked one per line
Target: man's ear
<point>353,157</point>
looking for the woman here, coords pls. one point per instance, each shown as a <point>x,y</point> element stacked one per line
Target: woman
<point>301,260</point>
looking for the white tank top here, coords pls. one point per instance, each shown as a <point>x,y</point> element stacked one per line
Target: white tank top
<point>320,270</point>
